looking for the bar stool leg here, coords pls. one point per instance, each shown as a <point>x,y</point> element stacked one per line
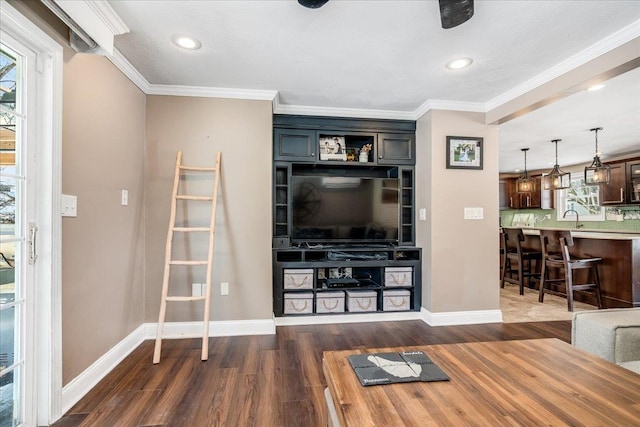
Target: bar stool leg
<point>569,286</point>
<point>597,282</point>
<point>521,274</point>
<point>543,278</point>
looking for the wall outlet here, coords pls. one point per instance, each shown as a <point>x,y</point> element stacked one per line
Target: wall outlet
<point>224,288</point>
<point>196,289</point>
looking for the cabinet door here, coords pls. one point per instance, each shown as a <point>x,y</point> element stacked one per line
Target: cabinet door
<point>633,175</point>
<point>294,145</point>
<point>396,149</point>
<point>614,192</point>
<point>512,198</point>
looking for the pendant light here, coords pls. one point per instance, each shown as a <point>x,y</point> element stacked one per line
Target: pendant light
<point>524,184</point>
<point>597,173</point>
<point>557,179</point>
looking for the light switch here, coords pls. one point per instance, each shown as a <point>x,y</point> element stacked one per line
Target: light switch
<point>69,205</point>
<point>125,198</point>
<point>473,213</point>
<point>423,214</point>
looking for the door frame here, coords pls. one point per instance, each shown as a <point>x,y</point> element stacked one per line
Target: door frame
<point>43,405</point>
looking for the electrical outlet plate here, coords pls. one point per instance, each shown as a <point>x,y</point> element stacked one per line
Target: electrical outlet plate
<point>196,289</point>
<point>224,288</point>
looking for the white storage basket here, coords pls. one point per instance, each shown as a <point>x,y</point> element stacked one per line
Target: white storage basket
<point>298,278</point>
<point>398,276</point>
<point>298,303</point>
<point>330,302</point>
<point>362,301</point>
<point>397,300</point>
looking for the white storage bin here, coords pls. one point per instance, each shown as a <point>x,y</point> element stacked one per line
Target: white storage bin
<point>362,301</point>
<point>398,276</point>
<point>298,303</point>
<point>398,300</point>
<point>298,278</point>
<point>330,302</point>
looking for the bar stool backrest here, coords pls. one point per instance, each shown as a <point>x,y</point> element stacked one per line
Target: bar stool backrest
<point>513,238</point>
<point>550,243</point>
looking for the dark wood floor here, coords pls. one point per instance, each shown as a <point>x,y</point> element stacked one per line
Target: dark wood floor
<point>258,380</point>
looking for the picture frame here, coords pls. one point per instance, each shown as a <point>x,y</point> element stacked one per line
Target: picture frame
<point>332,148</point>
<point>464,152</point>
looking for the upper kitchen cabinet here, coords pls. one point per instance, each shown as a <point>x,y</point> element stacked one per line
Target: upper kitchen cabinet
<point>633,174</point>
<point>624,186</point>
<point>537,198</point>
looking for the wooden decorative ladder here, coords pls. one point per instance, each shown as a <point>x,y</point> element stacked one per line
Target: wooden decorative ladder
<point>169,261</point>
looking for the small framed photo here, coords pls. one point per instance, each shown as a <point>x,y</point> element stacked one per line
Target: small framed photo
<point>464,152</point>
<point>332,148</point>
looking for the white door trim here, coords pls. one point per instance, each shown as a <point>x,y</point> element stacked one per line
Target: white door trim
<point>48,139</point>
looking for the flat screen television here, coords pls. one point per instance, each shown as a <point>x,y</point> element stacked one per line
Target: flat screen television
<point>345,209</point>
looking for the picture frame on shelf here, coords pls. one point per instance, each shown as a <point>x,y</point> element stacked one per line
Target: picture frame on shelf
<point>332,148</point>
<point>464,152</point>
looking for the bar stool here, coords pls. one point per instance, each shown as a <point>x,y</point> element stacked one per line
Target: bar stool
<point>555,255</point>
<point>516,260</point>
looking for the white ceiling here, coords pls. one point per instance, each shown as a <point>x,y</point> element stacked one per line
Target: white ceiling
<point>388,57</point>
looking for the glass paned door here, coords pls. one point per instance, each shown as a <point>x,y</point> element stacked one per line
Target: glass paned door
<point>12,240</point>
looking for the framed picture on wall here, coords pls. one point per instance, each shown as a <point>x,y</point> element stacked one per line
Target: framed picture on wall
<point>464,152</point>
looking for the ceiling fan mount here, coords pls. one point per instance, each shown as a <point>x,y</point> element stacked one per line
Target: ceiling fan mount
<point>455,12</point>
<point>452,12</point>
<point>312,4</point>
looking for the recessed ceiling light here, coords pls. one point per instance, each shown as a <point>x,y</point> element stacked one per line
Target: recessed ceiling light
<point>186,42</point>
<point>516,170</point>
<point>457,64</point>
<point>595,87</point>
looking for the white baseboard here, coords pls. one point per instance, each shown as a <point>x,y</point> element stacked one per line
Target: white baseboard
<point>80,385</point>
<point>83,383</point>
<point>346,318</point>
<point>460,317</point>
<point>222,328</point>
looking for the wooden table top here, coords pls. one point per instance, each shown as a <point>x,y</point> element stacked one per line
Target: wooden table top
<point>526,382</point>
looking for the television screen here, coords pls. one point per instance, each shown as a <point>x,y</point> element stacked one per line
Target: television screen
<point>341,208</point>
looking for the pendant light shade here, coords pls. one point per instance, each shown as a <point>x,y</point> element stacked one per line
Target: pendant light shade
<point>524,184</point>
<point>557,179</point>
<point>597,173</point>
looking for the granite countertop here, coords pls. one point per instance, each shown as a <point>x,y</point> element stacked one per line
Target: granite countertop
<point>589,234</point>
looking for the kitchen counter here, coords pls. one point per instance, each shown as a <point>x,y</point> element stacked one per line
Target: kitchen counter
<point>587,234</point>
<point>620,267</point>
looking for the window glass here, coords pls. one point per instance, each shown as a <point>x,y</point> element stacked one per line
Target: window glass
<point>580,198</point>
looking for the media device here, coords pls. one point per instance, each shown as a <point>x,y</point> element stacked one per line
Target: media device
<point>336,206</point>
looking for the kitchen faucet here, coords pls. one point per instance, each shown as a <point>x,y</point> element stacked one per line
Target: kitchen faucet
<point>577,216</point>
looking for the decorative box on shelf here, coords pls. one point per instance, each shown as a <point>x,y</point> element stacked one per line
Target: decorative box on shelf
<point>298,278</point>
<point>362,301</point>
<point>398,276</point>
<point>298,303</point>
<point>396,300</point>
<point>330,302</point>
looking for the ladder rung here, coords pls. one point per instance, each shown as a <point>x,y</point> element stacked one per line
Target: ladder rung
<point>189,229</point>
<point>177,262</point>
<point>200,298</point>
<point>183,197</point>
<point>197,169</point>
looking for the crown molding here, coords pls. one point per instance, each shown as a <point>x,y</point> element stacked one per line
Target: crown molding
<point>307,110</point>
<point>108,16</point>
<point>435,104</point>
<point>129,70</point>
<point>605,45</point>
<point>211,92</point>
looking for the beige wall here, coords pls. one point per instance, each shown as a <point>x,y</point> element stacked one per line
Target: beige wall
<point>102,248</point>
<point>461,262</point>
<point>242,131</point>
